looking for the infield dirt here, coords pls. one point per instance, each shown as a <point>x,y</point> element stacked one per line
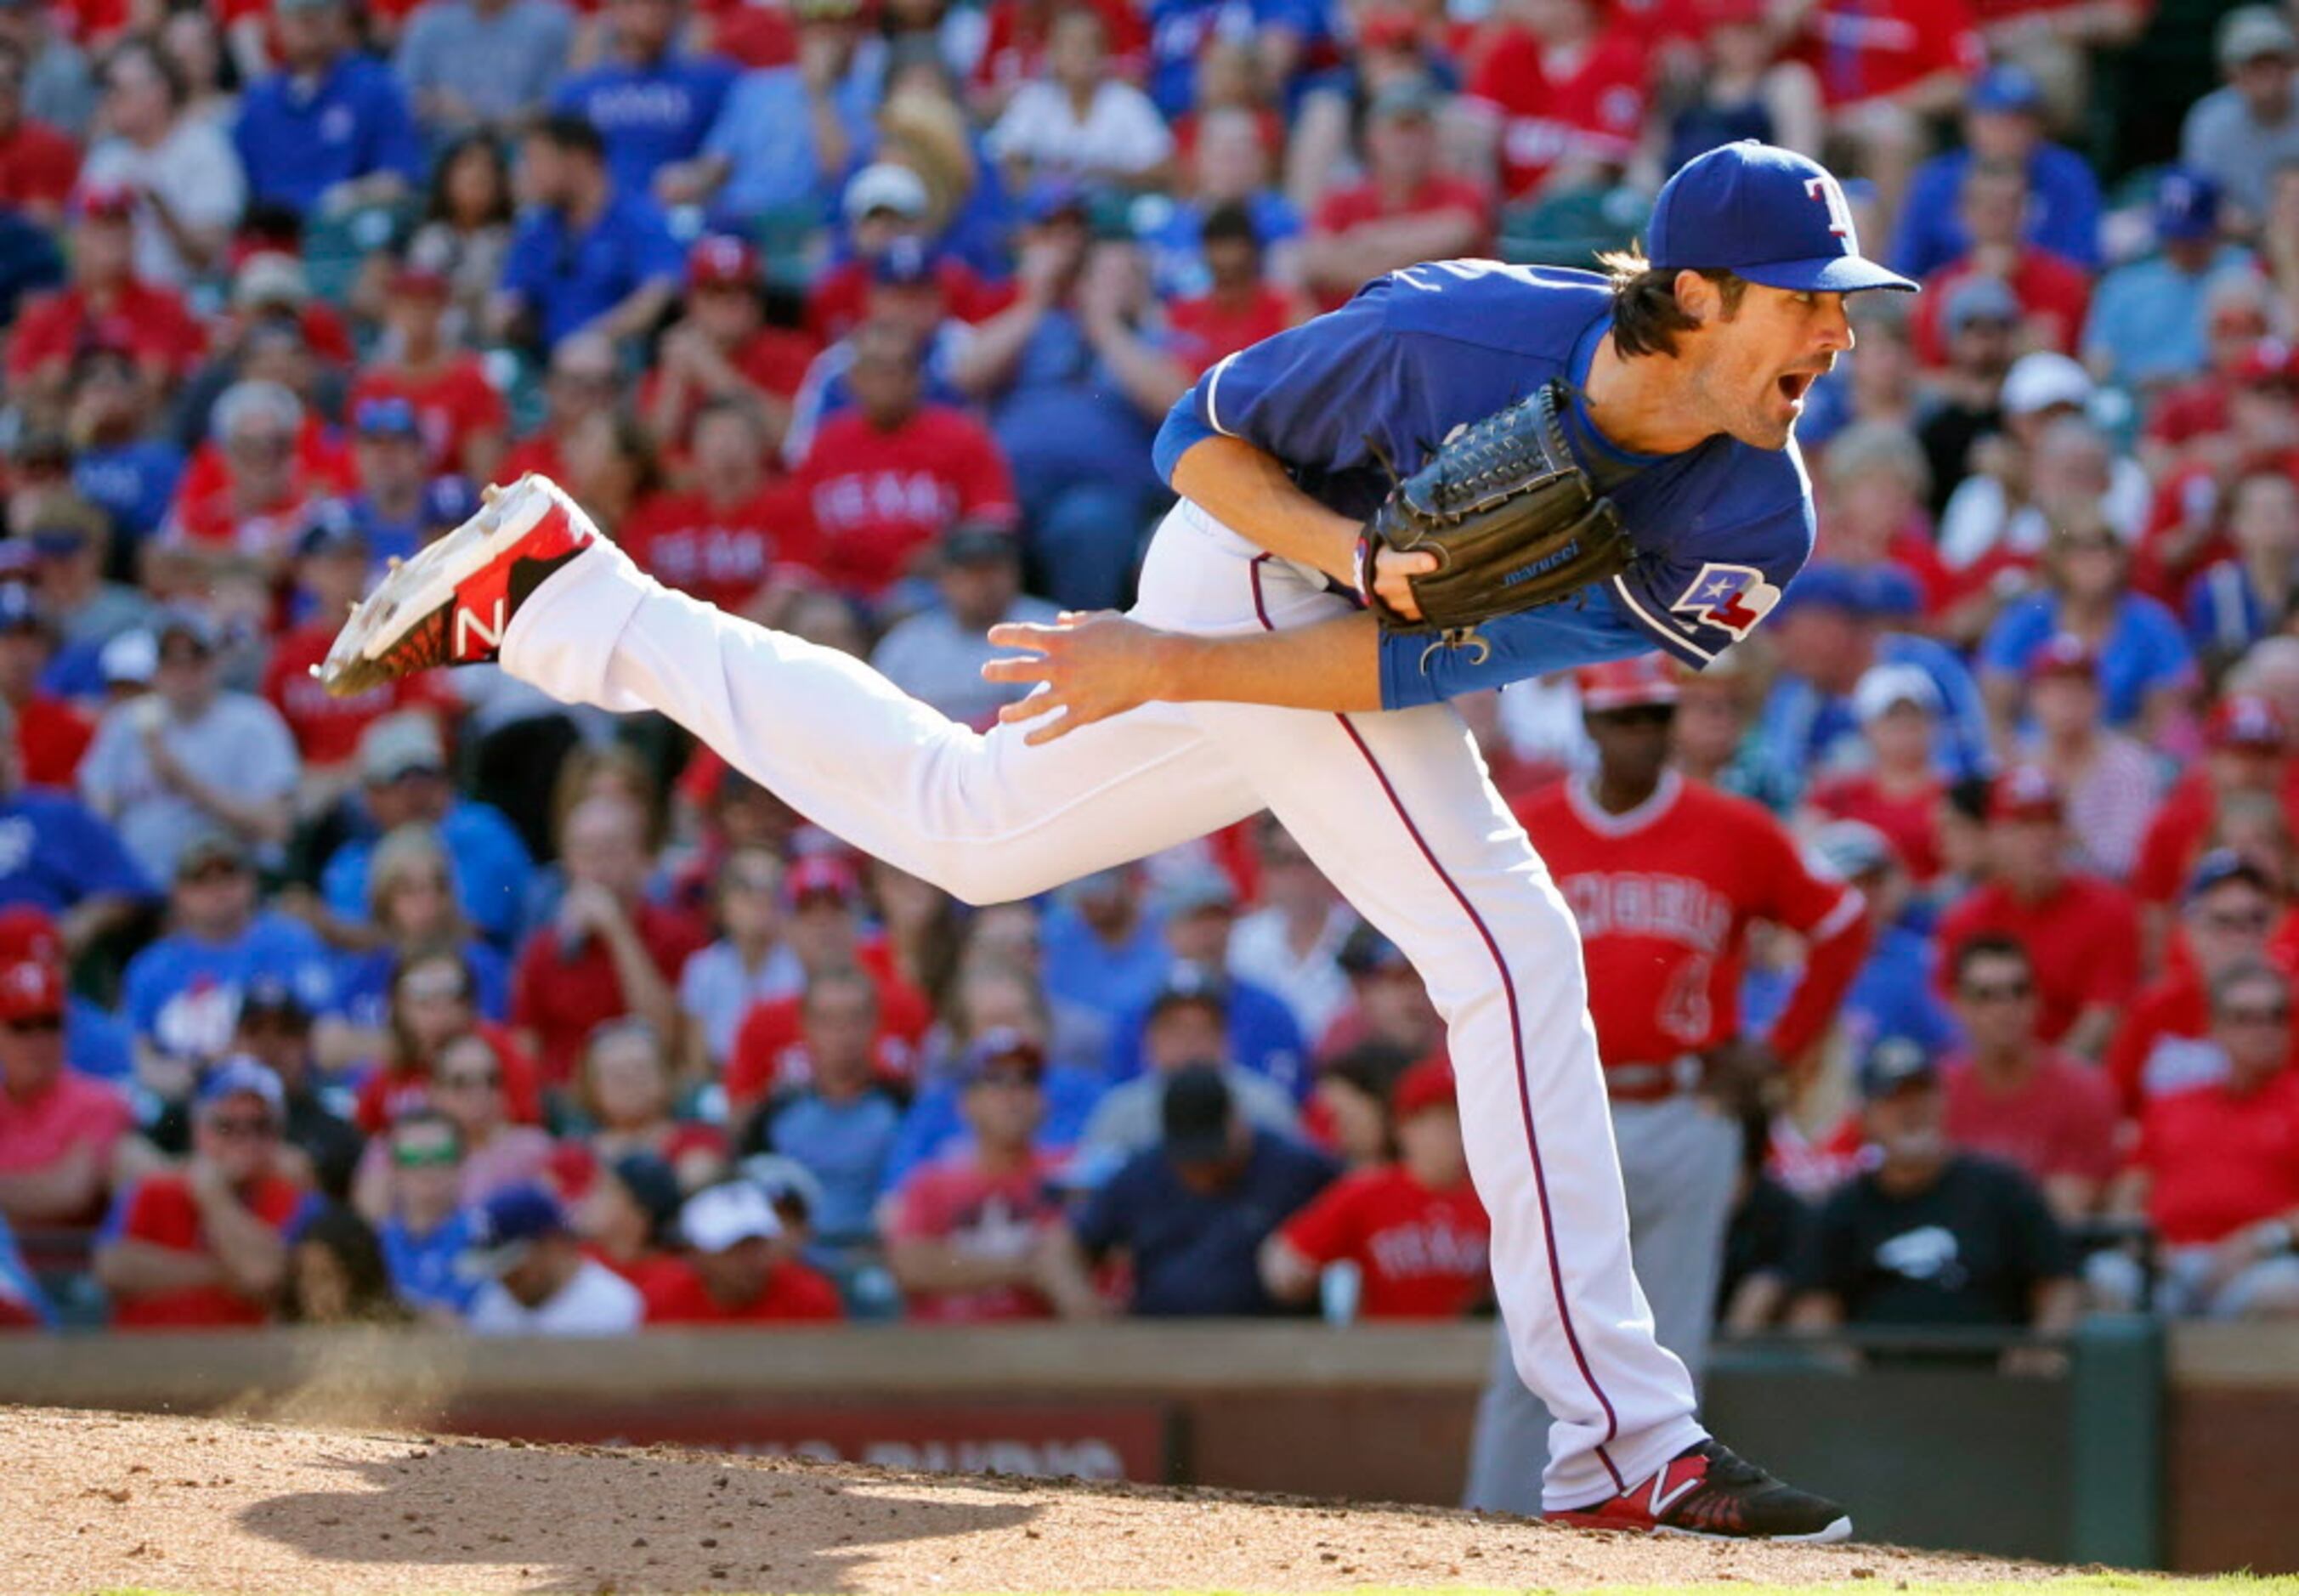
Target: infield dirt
<point>94,1502</point>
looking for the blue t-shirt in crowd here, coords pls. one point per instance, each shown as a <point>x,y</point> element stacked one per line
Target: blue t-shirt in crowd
<point>363,982</point>
<point>649,116</point>
<point>298,138</point>
<point>1064,417</point>
<point>1172,233</point>
<point>2147,319</point>
<point>182,994</point>
<point>764,132</point>
<point>1803,735</point>
<point>1194,1253</point>
<point>1719,529</point>
<point>1081,969</point>
<point>2222,610</point>
<point>571,279</point>
<point>1180,30</point>
<point>491,867</point>
<point>98,1042</point>
<point>16,1283</point>
<point>1263,1037</point>
<point>934,1124</point>
<point>2064,207</point>
<point>134,483</point>
<point>846,1147</point>
<point>1893,994</point>
<point>2143,649</point>
<point>55,851</point>
<point>423,1268</point>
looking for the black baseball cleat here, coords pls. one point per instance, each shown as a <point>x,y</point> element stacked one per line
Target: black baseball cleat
<point>452,602</point>
<point>1710,1491</point>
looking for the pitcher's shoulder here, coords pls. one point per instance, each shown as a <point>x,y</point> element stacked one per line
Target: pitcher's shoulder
<point>1522,310</point>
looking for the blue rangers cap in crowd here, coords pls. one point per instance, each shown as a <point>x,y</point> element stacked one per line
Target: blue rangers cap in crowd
<point>1766,215</point>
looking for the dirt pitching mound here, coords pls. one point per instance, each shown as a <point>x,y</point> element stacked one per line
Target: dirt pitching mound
<point>90,1501</point>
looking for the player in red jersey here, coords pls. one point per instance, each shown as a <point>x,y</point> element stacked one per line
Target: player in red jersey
<point>463,417</point>
<point>1413,1227</point>
<point>1665,876</point>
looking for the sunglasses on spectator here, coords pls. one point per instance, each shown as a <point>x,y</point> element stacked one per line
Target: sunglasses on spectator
<point>437,1156</point>
<point>1641,714</point>
<point>2235,919</point>
<point>1998,992</point>
<point>2248,1016</point>
<point>233,1127</point>
<point>30,1024</point>
<point>471,1080</point>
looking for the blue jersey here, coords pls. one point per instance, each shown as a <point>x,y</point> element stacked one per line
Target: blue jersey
<point>649,116</point>
<point>1719,529</point>
<point>298,136</point>
<point>55,853</point>
<point>182,994</point>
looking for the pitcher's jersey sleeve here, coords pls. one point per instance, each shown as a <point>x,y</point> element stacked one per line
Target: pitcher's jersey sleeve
<point>1697,596</point>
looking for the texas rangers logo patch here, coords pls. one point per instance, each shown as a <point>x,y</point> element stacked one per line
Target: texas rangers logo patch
<point>1731,598</point>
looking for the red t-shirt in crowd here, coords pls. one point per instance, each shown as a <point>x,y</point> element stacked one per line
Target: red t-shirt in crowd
<point>2083,940</point>
<point>774,361</point>
<point>385,1093</point>
<point>1208,331</point>
<point>1354,206</point>
<point>2219,1159</point>
<point>453,404</point>
<point>161,1209</point>
<point>878,496</point>
<point>51,736</point>
<point>1423,1252</point>
<point>562,996</point>
<point>38,166</point>
<point>151,323</point>
<point>1555,110</point>
<point>1912,822</point>
<point>1663,896</point>
<point>37,1133</point>
<point>2182,824</point>
<point>2060,1121</point>
<point>1014,48</point>
<point>2054,292</point>
<point>721,554</point>
<point>977,1213</point>
<point>326,728</point>
<point>770,1053</point>
<point>537,452</point>
<point>839,300</point>
<point>1870,49</point>
<point>676,1295</point>
<point>575,1165</point>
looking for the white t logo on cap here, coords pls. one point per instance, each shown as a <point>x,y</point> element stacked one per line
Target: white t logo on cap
<point>1823,188</point>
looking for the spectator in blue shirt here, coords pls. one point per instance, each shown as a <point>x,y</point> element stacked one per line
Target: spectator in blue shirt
<point>588,255</point>
<point>182,994</point>
<point>1191,1213</point>
<point>1262,1034</point>
<point>2148,325</point>
<point>2146,670</point>
<point>424,1229</point>
<point>1104,950</point>
<point>329,130</point>
<point>840,1125</point>
<point>1829,628</point>
<point>2232,604</point>
<point>124,465</point>
<point>652,104</point>
<point>2003,122</point>
<point>1893,994</point>
<point>59,856</point>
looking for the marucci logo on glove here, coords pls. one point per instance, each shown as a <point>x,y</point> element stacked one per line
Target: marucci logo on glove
<point>1731,598</point>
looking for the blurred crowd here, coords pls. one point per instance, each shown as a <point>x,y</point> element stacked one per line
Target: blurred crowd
<point>444,1004</point>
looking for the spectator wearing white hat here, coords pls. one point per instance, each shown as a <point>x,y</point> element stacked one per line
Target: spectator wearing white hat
<point>1897,707</point>
<point>2004,510</point>
<point>734,1274</point>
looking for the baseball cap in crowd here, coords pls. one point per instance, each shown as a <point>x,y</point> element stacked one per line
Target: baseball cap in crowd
<point>1389,28</point>
<point>1823,585</point>
<point>2025,792</point>
<point>1767,214</point>
<point>1427,1084</point>
<point>64,524</point>
<point>886,186</point>
<point>401,746</point>
<point>2006,87</point>
<point>2221,866</point>
<point>31,966</point>
<point>2064,655</point>
<point>1645,680</point>
<point>104,202</point>
<point>1979,299</point>
<point>1852,849</point>
<point>1194,891</point>
<point>192,626</point>
<point>1895,1062</point>
<point>820,875</point>
<point>1195,1115</point>
<point>1001,1051</point>
<point>268,1000</point>
<point>1189,985</point>
<point>2247,720</point>
<point>723,1216</point>
<point>330,528</point>
<point>239,1074</point>
<point>1365,952</point>
<point>506,1226</point>
<point>206,851</point>
<point>2042,379</point>
<point>386,416</point>
<point>906,264</point>
<point>980,542</point>
<point>2269,363</point>
<point>2187,206</point>
<point>794,1190</point>
<point>448,502</point>
<point>269,276</point>
<point>721,261</point>
<point>653,1185</point>
<point>2249,32</point>
<point>18,611</point>
<point>129,660</point>
<point>1413,96</point>
<point>417,279</point>
<point>1883,688</point>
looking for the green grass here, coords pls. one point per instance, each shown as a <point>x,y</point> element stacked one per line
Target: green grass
<point>2069,1585</point>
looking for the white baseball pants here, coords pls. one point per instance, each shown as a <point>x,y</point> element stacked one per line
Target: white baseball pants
<point>1394,807</point>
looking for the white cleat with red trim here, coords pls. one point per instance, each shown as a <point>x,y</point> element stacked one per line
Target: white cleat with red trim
<point>452,603</point>
<point>1711,1490</point>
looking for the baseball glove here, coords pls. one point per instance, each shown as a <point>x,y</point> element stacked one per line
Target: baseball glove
<point>1513,519</point>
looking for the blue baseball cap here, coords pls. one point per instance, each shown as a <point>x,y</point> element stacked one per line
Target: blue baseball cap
<point>386,415</point>
<point>505,1228</point>
<point>2187,206</point>
<point>448,502</point>
<point>1893,1062</point>
<point>906,264</point>
<point>1766,215</point>
<point>331,528</point>
<point>238,1075</point>
<point>2006,88</point>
